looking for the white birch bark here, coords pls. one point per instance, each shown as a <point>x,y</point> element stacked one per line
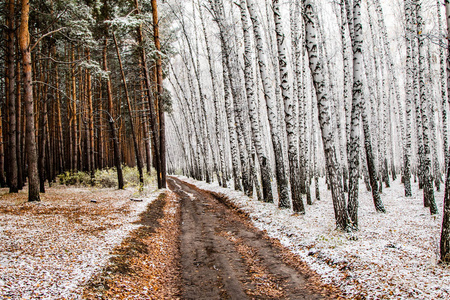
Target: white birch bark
<point>290,108</point>
<point>357,93</point>
<point>282,184</point>
<point>428,191</point>
<point>264,162</point>
<point>445,230</point>
<point>369,159</point>
<point>346,84</point>
<point>215,96</point>
<point>442,78</point>
<point>323,105</point>
<point>391,71</point>
<point>408,102</point>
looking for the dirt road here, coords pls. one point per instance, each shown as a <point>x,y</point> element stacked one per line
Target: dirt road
<point>224,257</point>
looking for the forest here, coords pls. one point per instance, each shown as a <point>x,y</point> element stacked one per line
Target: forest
<point>325,123</point>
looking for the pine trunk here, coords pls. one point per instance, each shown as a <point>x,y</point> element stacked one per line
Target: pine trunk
<point>111,120</point>
<point>160,108</point>
<point>131,115</point>
<point>12,144</point>
<point>24,43</point>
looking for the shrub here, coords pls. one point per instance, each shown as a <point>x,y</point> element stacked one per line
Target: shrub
<point>107,178</point>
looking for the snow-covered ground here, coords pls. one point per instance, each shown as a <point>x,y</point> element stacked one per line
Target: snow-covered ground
<point>49,249</point>
<point>392,256</point>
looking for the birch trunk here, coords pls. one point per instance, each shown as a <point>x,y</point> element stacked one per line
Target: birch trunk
<point>234,108</point>
<point>428,191</point>
<point>408,104</point>
<point>222,167</point>
<point>323,105</point>
<point>290,109</point>
<point>282,184</point>
<point>443,79</point>
<point>370,160</point>
<point>445,231</point>
<point>357,91</point>
<point>264,162</point>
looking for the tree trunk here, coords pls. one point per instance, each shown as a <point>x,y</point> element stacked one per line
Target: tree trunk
<point>160,108</point>
<point>24,42</point>
<point>131,115</point>
<point>354,149</point>
<point>290,108</point>
<point>154,128</point>
<point>2,153</point>
<point>111,120</point>
<point>409,102</point>
<point>323,105</point>
<point>428,191</point>
<point>264,163</point>
<point>12,144</point>
<point>370,160</point>
<point>282,181</point>
<point>222,167</point>
<point>445,231</point>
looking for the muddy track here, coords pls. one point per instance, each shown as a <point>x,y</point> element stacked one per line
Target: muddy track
<point>224,257</point>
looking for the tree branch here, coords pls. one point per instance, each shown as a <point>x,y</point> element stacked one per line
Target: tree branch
<point>47,34</point>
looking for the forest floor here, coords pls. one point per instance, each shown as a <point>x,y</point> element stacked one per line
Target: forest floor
<point>49,248</point>
<point>200,241</point>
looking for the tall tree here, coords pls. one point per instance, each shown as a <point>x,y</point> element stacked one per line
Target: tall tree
<point>357,91</point>
<point>445,231</point>
<point>130,113</point>
<point>290,109</point>
<point>264,162</point>
<point>323,105</point>
<point>409,102</point>
<point>215,94</point>
<point>111,118</point>
<point>160,106</point>
<point>282,181</point>
<point>428,191</point>
<point>24,43</point>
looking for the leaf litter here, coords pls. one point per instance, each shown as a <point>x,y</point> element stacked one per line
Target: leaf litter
<point>50,248</point>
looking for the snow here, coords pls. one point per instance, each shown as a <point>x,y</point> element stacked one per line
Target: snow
<point>48,250</point>
<point>393,255</point>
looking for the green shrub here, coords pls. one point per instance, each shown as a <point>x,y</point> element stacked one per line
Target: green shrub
<point>107,178</point>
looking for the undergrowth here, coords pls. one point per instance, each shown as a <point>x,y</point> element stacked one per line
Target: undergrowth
<point>106,178</point>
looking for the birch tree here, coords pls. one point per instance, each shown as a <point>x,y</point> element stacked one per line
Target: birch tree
<point>428,191</point>
<point>357,91</point>
<point>323,105</point>
<point>282,181</point>
<point>264,162</point>
<point>409,102</point>
<point>289,109</point>
<point>445,230</point>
